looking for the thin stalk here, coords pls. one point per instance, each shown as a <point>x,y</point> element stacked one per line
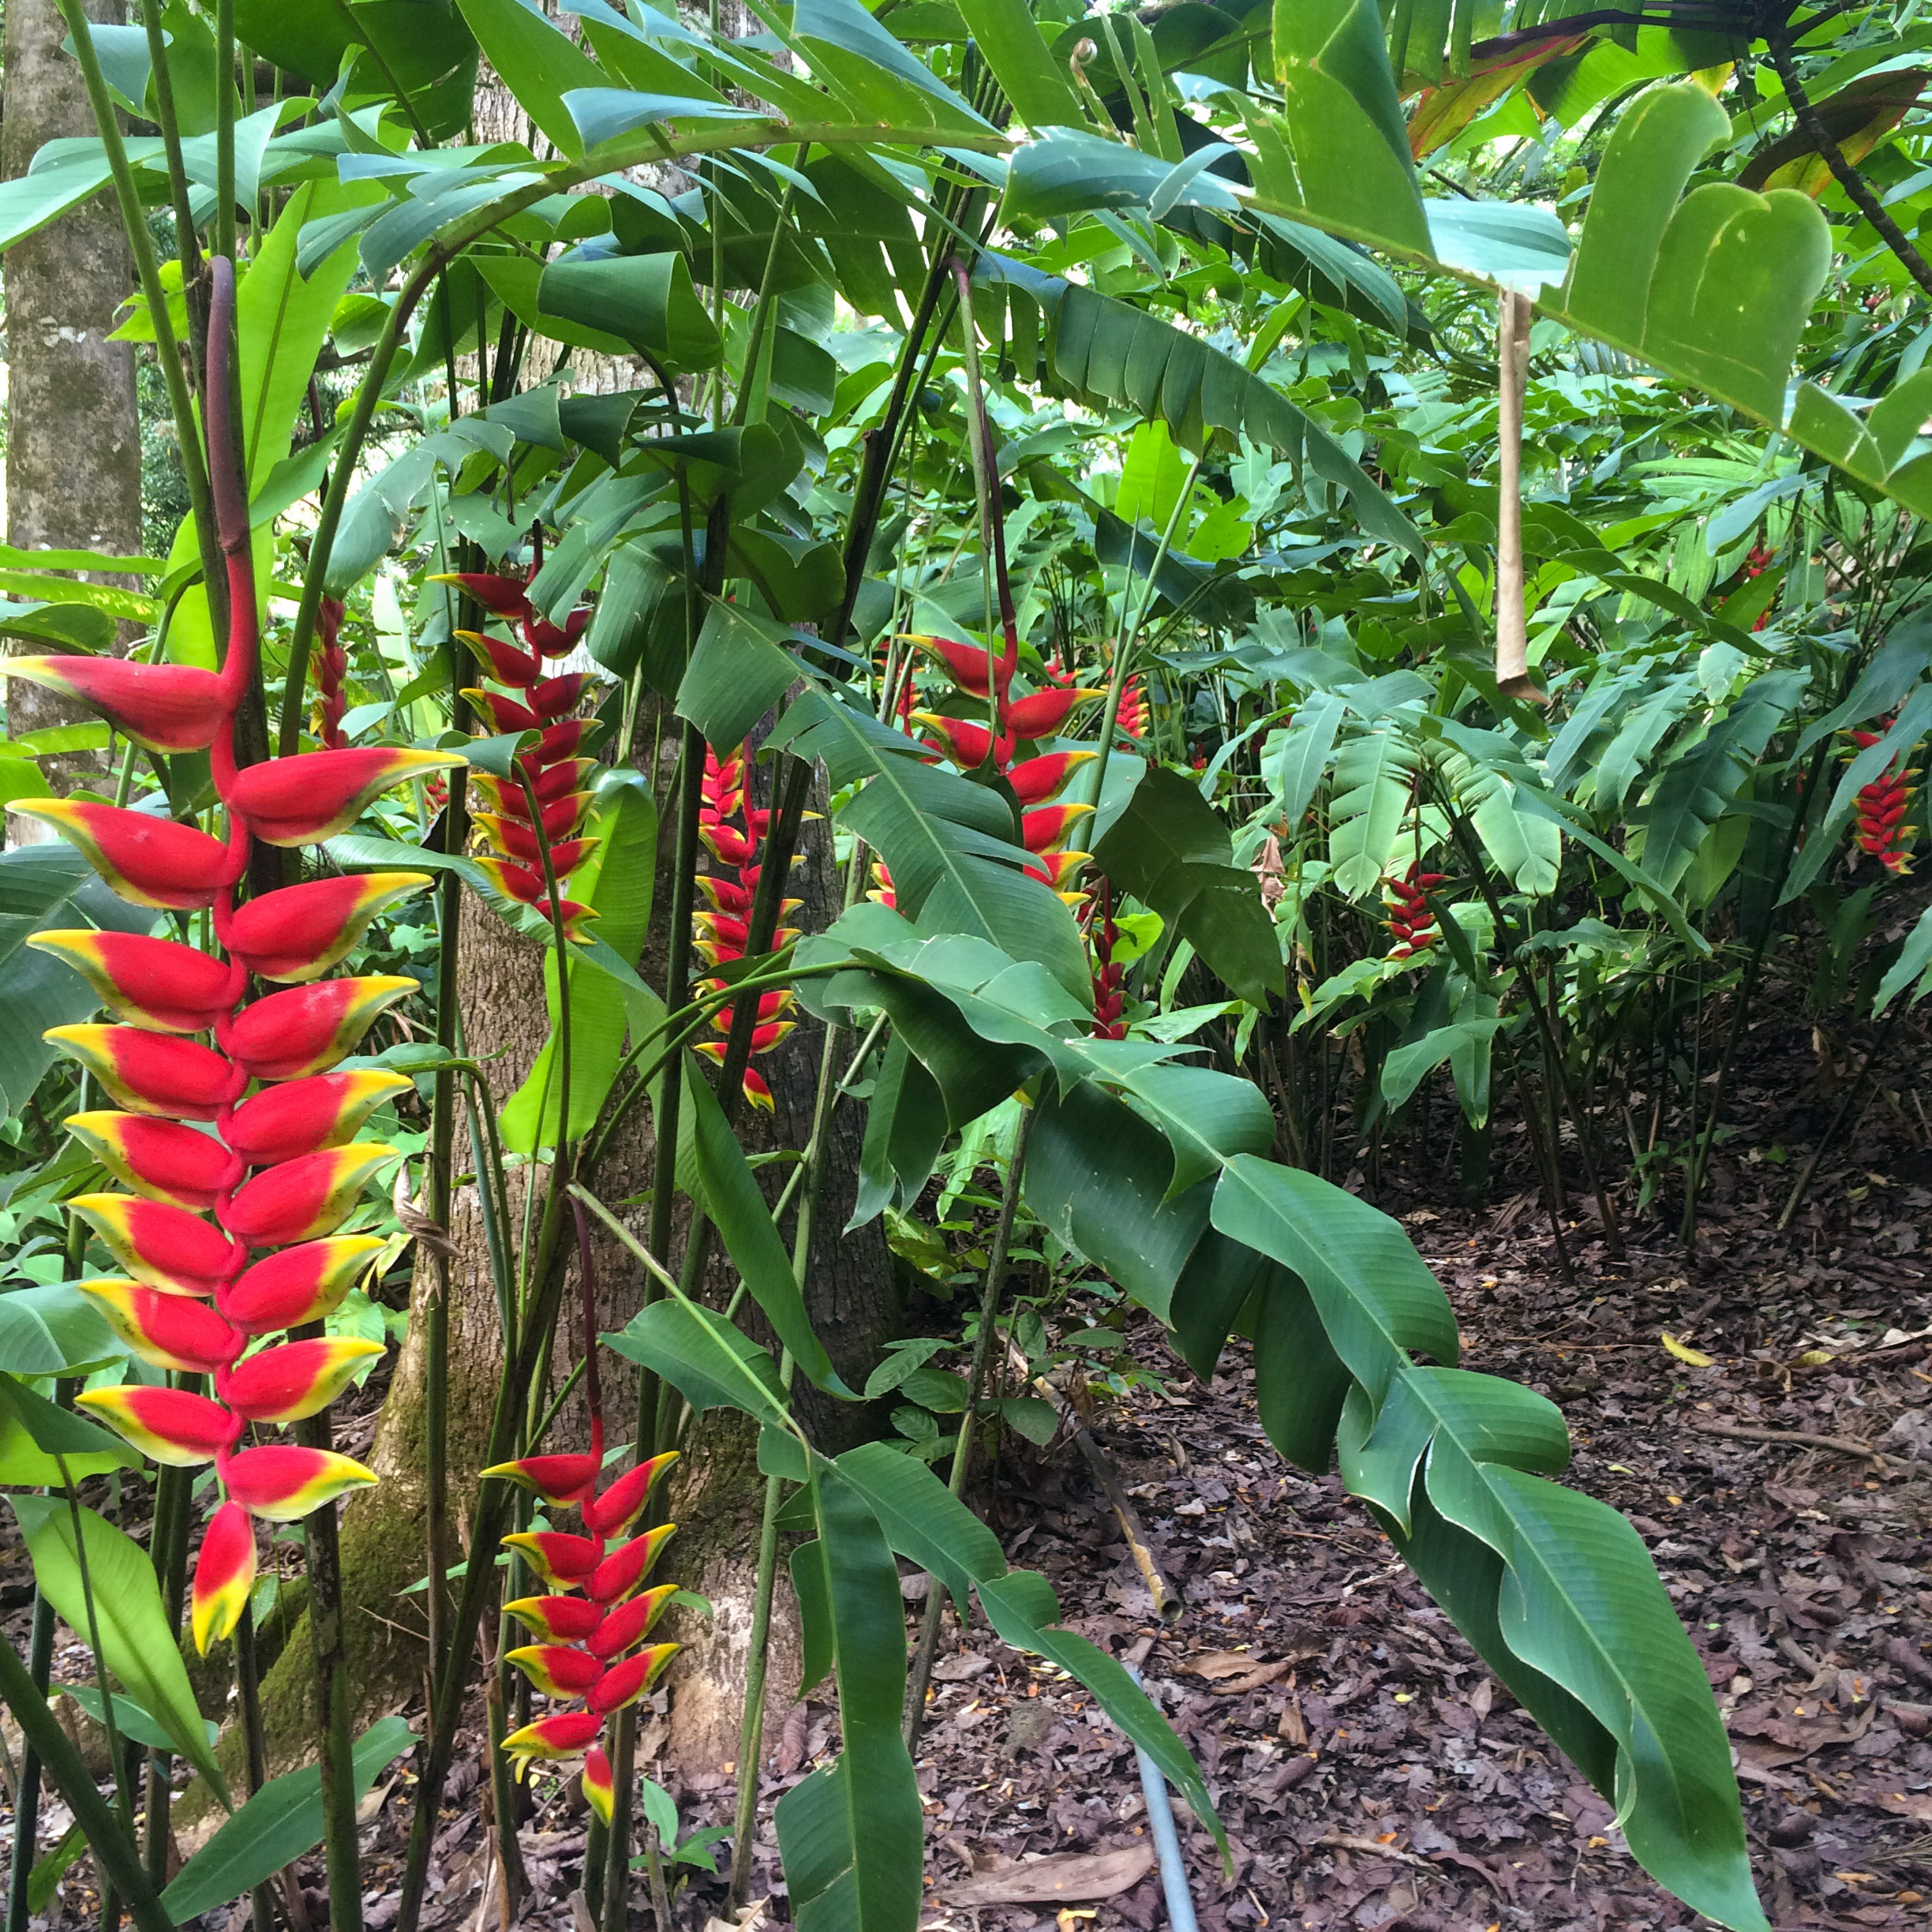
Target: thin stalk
<point>187,244</point>
<point>167,352</point>
<point>1875,1058</point>
<point>111,1846</point>
<point>990,1292</point>
<point>248,1683</point>
<point>225,129</point>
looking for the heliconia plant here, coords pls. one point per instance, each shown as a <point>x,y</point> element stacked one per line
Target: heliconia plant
<point>1880,809</point>
<point>733,831</point>
<point>283,1168</point>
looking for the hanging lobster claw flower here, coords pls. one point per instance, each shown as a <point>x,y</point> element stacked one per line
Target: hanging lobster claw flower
<point>166,1330</point>
<point>147,860</point>
<point>562,1561</point>
<point>159,1159</point>
<point>556,695</point>
<point>965,663</point>
<point>507,665</point>
<point>224,1577</point>
<point>1047,828</point>
<point>563,1480</point>
<point>503,598</point>
<point>303,800</point>
<point>758,1092</point>
<point>163,707</point>
<point>725,843</point>
<point>555,640</point>
<point>623,1569</point>
<point>600,1784</point>
<point>965,743</point>
<point>306,1116</point>
<point>731,897</point>
<point>558,1619</point>
<point>521,882</point>
<point>153,1072</point>
<point>612,1513</point>
<point>624,1683</point>
<point>303,1200</point>
<point>505,713</point>
<point>1054,869</point>
<point>629,1623</point>
<point>1041,713</point>
<point>167,1248</point>
<point>514,838</point>
<point>284,1482</point>
<point>306,1030</point>
<point>297,1379</point>
<point>564,1734</point>
<point>562,740</point>
<point>297,1285</point>
<point>166,1425</point>
<point>1036,780</point>
<point>149,982</point>
<point>549,782</point>
<point>555,1669</point>
<point>300,932</point>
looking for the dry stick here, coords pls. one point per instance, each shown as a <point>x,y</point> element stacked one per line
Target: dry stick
<point>990,1293</point>
<point>1168,1604</point>
<point>1845,1445</point>
<point>1512,655</point>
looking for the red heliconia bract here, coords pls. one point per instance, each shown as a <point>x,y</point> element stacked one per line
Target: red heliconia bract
<point>304,1116</point>
<point>154,983</point>
<point>160,1159</point>
<point>195,1304</point>
<point>148,860</point>
<point>308,1028</point>
<point>163,707</point>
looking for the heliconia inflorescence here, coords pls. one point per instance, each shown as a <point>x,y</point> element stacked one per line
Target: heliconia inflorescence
<point>734,830</point>
<point>1411,924</point>
<point>282,1170</point>
<point>1881,807</point>
<point>547,704</point>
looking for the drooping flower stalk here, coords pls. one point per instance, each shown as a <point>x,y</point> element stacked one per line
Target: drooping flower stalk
<point>1880,808</point>
<point>283,1170</point>
<point>552,771</point>
<point>733,832</point>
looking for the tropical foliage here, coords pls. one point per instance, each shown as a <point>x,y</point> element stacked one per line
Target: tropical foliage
<point>1076,441</point>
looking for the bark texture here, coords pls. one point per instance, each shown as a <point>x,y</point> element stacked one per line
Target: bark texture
<point>73,476</point>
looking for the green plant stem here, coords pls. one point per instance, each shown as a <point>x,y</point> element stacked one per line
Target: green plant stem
<point>167,352</point>
<point>187,243</point>
<point>990,1293</point>
<point>1873,1059</point>
<point>248,1687</point>
<point>111,1845</point>
<point>225,129</point>
<point>752,1739</point>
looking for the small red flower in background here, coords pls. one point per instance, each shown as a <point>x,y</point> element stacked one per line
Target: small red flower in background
<point>1411,924</point>
<point>1109,974</point>
<point>331,669</point>
<point>1132,716</point>
<point>1881,807</point>
<point>733,832</point>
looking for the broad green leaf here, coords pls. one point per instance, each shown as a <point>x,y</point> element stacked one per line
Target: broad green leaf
<point>546,62</point>
<point>732,1197</point>
<point>139,1647</point>
<point>37,1437</point>
<point>704,1359</point>
<point>853,1837</point>
<point>278,1825</point>
<point>52,1331</point>
<point>647,301</point>
<point>1373,775</point>
<point>738,671</point>
<point>1009,38</point>
<point>131,1721</point>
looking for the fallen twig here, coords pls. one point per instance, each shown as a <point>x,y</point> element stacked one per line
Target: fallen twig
<point>1804,1438</point>
<point>1371,1848</point>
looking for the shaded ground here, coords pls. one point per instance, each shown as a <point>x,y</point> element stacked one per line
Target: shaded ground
<point>1369,1772</point>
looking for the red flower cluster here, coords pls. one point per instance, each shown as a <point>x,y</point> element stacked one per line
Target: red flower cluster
<point>331,663</point>
<point>1110,975</point>
<point>283,1170</point>
<point>1881,806</point>
<point>555,770</point>
<point>1410,923</point>
<point>734,832</point>
<point>1131,716</point>
<point>587,1645</point>
<point>1045,829</point>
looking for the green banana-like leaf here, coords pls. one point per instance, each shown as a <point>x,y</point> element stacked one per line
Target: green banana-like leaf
<point>853,1836</point>
<point>1374,776</point>
<point>951,845</point>
<point>139,1647</point>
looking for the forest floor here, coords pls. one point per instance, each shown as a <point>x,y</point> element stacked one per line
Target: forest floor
<point>1369,1772</point>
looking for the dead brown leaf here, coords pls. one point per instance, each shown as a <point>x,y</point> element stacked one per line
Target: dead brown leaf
<point>1046,1880</point>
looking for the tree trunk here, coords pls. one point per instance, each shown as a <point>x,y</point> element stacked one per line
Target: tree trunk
<point>73,477</point>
